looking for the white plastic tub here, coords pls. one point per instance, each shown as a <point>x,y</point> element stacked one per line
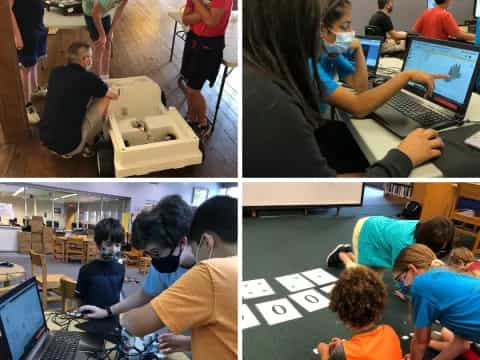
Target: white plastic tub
<point>146,136</point>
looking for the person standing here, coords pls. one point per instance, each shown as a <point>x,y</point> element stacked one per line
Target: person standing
<point>30,37</point>
<point>101,29</point>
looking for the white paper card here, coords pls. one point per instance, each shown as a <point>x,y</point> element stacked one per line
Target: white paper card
<point>327,289</point>
<point>294,282</point>
<point>248,318</point>
<point>278,311</point>
<point>311,300</point>
<point>252,289</point>
<point>319,276</point>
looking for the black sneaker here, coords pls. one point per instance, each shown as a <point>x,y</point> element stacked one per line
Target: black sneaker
<point>332,259</point>
<point>347,248</point>
<point>204,131</point>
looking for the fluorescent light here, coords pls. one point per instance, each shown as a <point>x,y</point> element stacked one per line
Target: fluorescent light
<point>22,189</point>
<point>65,197</point>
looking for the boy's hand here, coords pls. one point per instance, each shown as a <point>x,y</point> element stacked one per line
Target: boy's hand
<point>323,350</point>
<point>93,312</point>
<point>356,44</point>
<point>170,343</point>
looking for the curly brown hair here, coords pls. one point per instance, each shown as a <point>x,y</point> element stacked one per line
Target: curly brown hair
<point>359,297</point>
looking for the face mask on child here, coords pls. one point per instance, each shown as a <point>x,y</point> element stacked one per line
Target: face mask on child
<point>110,251</point>
<point>342,43</point>
<point>167,264</point>
<point>404,289</point>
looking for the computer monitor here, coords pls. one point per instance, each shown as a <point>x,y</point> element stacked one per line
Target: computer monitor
<point>371,46</point>
<point>22,322</point>
<point>431,4</point>
<point>459,61</point>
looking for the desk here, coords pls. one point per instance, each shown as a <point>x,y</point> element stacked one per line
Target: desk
<point>9,274</point>
<point>9,238</point>
<point>230,53</point>
<point>113,355</point>
<point>375,141</point>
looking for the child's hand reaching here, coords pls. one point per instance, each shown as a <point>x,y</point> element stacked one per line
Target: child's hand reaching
<point>323,350</point>
<point>334,342</point>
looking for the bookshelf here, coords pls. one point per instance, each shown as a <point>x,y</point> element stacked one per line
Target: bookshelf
<point>398,192</point>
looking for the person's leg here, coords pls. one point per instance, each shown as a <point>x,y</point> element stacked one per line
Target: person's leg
<point>454,349</point>
<point>24,75</point>
<point>34,70</point>
<point>107,51</point>
<point>199,106</point>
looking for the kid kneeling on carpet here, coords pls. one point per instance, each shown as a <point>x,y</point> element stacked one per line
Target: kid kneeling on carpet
<point>359,299</point>
<point>441,294</point>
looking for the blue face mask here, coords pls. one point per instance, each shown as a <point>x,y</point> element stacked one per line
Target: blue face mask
<point>342,43</point>
<point>404,289</point>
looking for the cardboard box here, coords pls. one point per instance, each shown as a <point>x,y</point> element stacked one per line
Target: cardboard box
<point>37,242</point>
<point>37,224</point>
<point>48,235</point>
<point>24,240</point>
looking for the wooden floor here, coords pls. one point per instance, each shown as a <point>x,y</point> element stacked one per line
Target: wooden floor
<point>141,47</point>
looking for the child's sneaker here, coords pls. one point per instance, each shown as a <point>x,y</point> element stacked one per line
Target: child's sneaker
<point>88,152</point>
<point>333,260</point>
<point>39,92</point>
<point>32,114</point>
<point>204,131</point>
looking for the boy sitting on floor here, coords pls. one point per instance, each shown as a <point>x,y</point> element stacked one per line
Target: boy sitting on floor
<point>359,300</point>
<point>100,281</point>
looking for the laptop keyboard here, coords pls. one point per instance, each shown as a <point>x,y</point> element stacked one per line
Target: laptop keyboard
<point>62,346</point>
<point>415,111</point>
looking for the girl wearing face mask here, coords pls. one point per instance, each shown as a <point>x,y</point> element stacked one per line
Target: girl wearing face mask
<point>285,132</point>
<point>439,294</point>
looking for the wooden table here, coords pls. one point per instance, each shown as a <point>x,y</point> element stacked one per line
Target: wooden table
<point>85,240</point>
<point>230,53</point>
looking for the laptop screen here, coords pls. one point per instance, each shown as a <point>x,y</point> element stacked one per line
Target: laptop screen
<point>371,49</point>
<point>22,322</point>
<point>459,62</point>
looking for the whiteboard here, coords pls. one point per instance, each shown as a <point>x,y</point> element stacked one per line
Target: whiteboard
<point>301,194</point>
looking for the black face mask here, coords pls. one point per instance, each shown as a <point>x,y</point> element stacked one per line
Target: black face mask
<point>168,264</point>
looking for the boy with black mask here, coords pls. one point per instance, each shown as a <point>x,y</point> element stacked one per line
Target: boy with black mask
<point>162,232</point>
<point>100,281</point>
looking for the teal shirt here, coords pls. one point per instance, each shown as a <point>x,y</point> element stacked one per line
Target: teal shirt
<point>381,239</point>
<point>106,5</point>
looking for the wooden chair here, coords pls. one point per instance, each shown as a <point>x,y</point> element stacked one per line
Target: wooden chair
<point>144,263</point>
<point>91,250</point>
<point>49,284</point>
<point>468,224</point>
<point>133,256</point>
<point>59,248</point>
<point>67,292</point>
<point>74,249</point>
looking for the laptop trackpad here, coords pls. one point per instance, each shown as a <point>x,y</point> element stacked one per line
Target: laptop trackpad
<point>394,121</point>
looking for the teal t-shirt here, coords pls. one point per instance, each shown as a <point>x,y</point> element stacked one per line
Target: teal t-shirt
<point>106,5</point>
<point>381,239</point>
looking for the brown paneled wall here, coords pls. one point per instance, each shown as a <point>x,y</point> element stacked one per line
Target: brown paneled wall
<point>13,120</point>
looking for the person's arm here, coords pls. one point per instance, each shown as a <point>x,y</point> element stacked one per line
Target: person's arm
<point>171,343</point>
<point>419,343</point>
<point>138,299</point>
<point>112,94</point>
<point>97,21</point>
<point>190,17</point>
<point>465,36</point>
<point>360,105</point>
<point>359,79</point>
<point>17,36</point>
<point>141,321</point>
<point>210,16</point>
<point>453,30</point>
<point>116,18</point>
<point>398,35</point>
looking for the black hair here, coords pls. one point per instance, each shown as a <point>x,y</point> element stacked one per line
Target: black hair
<point>164,226</point>
<point>217,215</point>
<point>109,229</point>
<point>382,4</point>
<point>438,233</point>
<point>440,2</point>
<point>334,11</point>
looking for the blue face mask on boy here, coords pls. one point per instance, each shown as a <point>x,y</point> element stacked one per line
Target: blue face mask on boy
<point>404,289</point>
<point>342,43</point>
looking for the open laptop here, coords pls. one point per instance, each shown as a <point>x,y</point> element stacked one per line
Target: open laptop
<point>24,333</point>
<point>408,109</point>
<point>371,46</point>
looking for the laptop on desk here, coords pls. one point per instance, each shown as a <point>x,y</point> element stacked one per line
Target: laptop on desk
<point>371,46</point>
<point>24,333</point>
<point>408,109</point>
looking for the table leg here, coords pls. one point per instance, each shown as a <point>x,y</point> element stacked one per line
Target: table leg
<point>219,99</point>
<point>173,40</point>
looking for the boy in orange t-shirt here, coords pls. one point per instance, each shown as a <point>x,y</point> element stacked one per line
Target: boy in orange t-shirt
<point>359,300</point>
<point>204,299</point>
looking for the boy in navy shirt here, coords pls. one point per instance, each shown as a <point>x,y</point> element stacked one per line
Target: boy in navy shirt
<point>100,281</point>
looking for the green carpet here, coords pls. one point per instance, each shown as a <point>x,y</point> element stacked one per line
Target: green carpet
<point>289,244</point>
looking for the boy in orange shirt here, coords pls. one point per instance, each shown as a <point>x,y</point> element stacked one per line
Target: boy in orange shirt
<point>359,300</point>
<point>204,299</point>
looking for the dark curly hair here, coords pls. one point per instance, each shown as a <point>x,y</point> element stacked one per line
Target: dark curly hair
<point>359,297</point>
<point>438,233</point>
